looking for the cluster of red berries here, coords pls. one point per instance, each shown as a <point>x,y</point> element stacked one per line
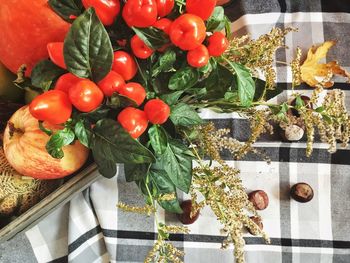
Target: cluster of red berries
<point>187,32</point>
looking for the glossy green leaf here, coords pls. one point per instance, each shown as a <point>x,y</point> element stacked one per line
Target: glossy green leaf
<point>112,142</point>
<point>178,164</point>
<point>216,21</point>
<point>158,139</point>
<point>88,50</point>
<point>135,172</point>
<point>117,101</point>
<point>172,98</point>
<point>165,63</point>
<point>57,141</point>
<point>96,115</point>
<point>184,78</point>
<point>219,82</point>
<point>66,8</point>
<point>164,185</point>
<point>107,168</point>
<point>245,84</point>
<point>260,86</point>
<point>44,74</point>
<point>152,37</point>
<point>183,115</point>
<point>82,132</point>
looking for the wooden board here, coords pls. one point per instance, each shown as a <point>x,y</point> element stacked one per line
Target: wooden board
<point>56,199</point>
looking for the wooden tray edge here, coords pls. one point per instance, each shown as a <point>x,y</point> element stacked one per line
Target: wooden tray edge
<point>56,199</point>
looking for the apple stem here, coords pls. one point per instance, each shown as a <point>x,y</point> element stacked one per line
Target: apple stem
<point>13,129</point>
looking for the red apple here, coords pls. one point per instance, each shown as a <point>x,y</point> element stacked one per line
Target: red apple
<point>26,28</point>
<point>25,149</point>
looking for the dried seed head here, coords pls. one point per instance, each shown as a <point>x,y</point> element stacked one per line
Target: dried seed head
<point>257,220</point>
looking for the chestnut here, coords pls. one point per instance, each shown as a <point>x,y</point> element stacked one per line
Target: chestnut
<point>259,199</point>
<point>306,101</point>
<point>293,133</point>
<point>257,220</point>
<point>302,192</point>
<point>185,217</point>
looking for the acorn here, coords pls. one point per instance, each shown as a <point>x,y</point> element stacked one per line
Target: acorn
<point>185,217</point>
<point>259,199</point>
<point>257,220</point>
<point>302,192</point>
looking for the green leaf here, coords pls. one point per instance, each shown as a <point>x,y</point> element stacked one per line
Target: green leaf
<point>82,132</point>
<point>44,73</point>
<point>164,185</point>
<point>184,79</point>
<point>42,128</point>
<point>183,115</point>
<point>165,63</point>
<point>117,101</point>
<point>57,141</point>
<point>172,98</point>
<point>245,84</point>
<point>219,82</point>
<point>96,115</point>
<point>327,118</point>
<point>231,96</point>
<point>158,139</point>
<point>112,142</point>
<point>320,109</point>
<point>66,8</point>
<point>172,206</point>
<point>228,30</point>
<point>152,37</point>
<point>207,68</point>
<point>260,86</point>
<point>284,107</point>
<point>87,49</point>
<point>135,172</point>
<point>299,102</point>
<point>107,168</point>
<point>178,164</point>
<point>216,21</point>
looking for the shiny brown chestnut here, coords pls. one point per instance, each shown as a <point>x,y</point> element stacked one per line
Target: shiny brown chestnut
<point>302,192</point>
<point>259,198</point>
<point>185,217</point>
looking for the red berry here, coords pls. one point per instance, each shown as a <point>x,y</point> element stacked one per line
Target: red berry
<point>198,57</point>
<point>218,44</point>
<point>134,91</point>
<point>134,121</point>
<point>139,48</point>
<point>157,111</point>
<point>111,83</point>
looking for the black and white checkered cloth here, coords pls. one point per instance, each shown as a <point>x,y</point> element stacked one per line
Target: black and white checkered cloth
<point>91,229</point>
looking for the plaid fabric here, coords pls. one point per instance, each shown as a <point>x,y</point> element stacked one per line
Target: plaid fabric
<point>91,229</point>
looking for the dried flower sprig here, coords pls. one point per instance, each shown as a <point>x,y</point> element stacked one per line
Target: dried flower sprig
<point>331,120</point>
<point>223,191</point>
<point>147,209</point>
<point>259,54</point>
<point>162,251</point>
<point>214,141</point>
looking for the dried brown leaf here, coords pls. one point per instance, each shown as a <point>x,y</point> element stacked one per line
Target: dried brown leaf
<point>317,74</point>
